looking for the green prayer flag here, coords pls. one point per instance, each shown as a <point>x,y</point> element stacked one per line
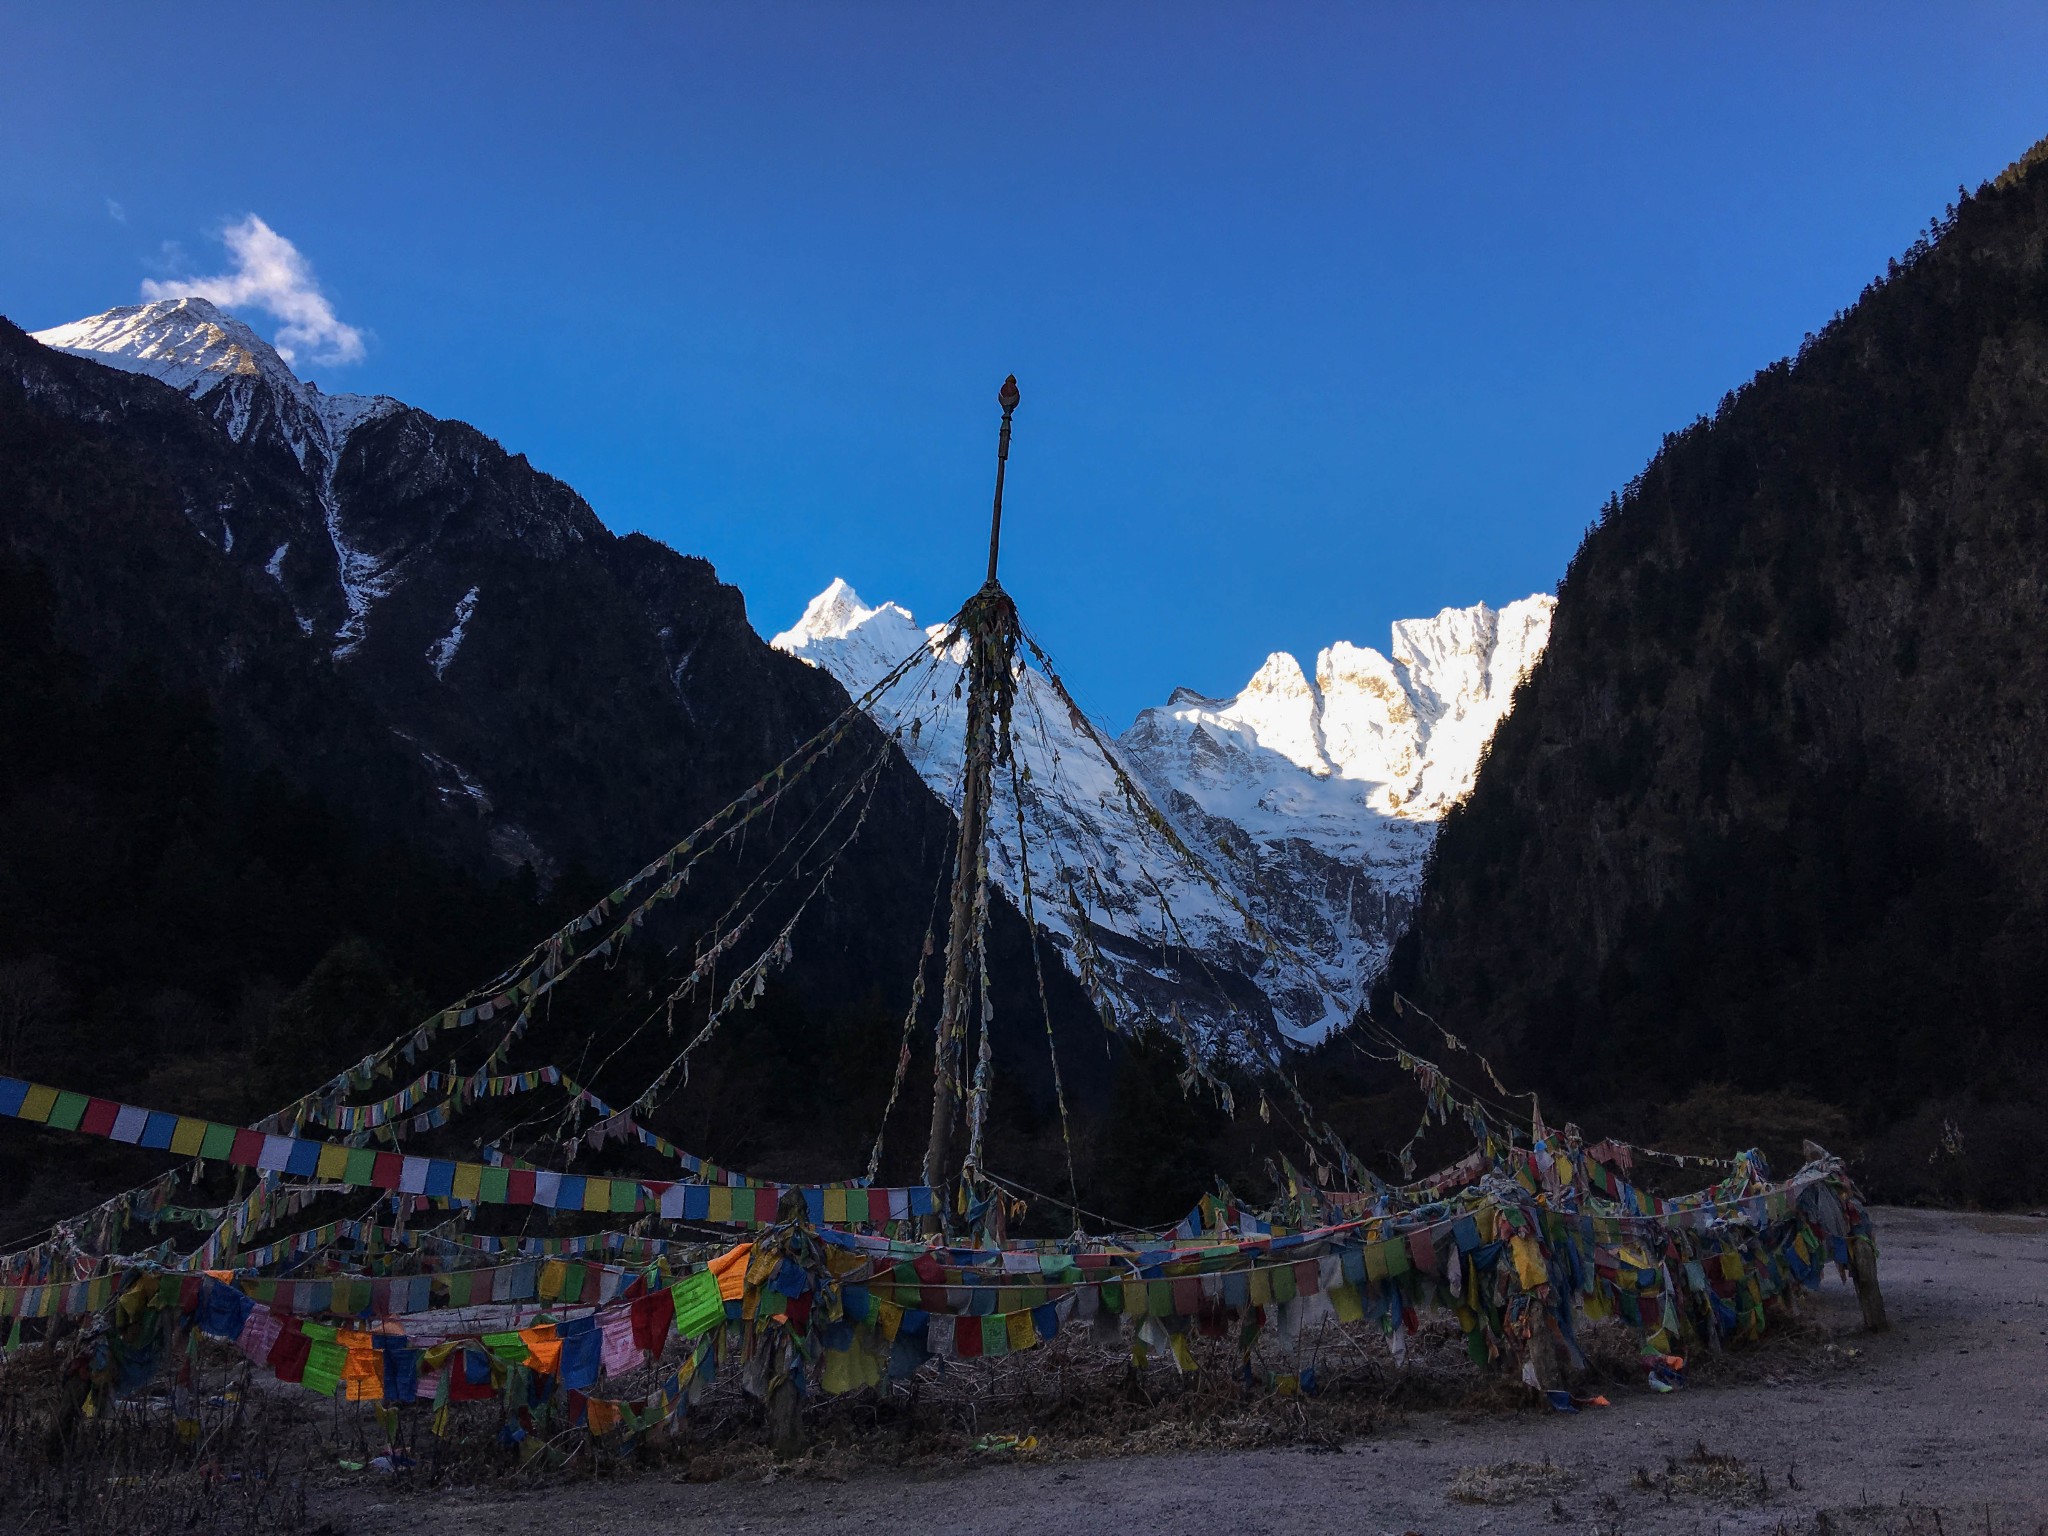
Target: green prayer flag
<point>699,1306</point>
<point>509,1347</point>
<point>66,1113</point>
<point>1281,1279</point>
<point>324,1363</point>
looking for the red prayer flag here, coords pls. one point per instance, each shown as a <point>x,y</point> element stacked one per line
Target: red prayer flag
<point>99,1117</point>
<point>288,1354</point>
<point>653,1315</point>
<point>967,1337</point>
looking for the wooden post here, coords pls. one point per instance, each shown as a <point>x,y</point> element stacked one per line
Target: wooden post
<point>958,992</point>
<point>1546,1354</point>
<point>1863,1271</point>
<point>786,1436</point>
<point>785,1408</point>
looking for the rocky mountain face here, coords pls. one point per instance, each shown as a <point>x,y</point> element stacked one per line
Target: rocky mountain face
<point>1772,811</point>
<point>479,604</point>
<point>382,624</point>
<point>1311,804</point>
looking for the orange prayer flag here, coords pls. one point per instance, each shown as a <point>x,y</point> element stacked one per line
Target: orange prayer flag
<point>731,1269</point>
<point>543,1349</point>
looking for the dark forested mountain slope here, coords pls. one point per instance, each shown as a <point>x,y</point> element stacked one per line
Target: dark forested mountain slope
<point>1772,811</point>
<point>316,710</point>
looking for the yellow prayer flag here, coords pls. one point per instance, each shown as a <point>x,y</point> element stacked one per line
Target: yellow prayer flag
<point>1345,1299</point>
<point>1529,1267</point>
<point>1022,1334</point>
<point>188,1136</point>
<point>837,1372</point>
<point>597,1194</point>
<point>333,1164</point>
<point>38,1104</point>
<point>469,1181</point>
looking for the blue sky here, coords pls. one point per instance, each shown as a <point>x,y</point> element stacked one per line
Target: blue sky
<point>1324,315</point>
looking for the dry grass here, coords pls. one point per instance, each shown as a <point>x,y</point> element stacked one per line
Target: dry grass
<point>143,1466</point>
<point>1704,1474</point>
<point>1509,1482</point>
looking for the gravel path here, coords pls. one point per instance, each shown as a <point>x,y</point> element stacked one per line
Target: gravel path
<point>1940,1426</point>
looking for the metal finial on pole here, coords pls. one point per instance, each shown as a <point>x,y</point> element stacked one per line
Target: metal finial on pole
<point>1007,397</point>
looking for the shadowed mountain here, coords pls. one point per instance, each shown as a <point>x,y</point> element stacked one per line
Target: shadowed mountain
<point>1772,812</point>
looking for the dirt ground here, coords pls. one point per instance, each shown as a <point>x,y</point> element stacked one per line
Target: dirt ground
<point>1939,1426</point>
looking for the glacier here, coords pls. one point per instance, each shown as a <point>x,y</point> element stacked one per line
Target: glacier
<point>1309,804</point>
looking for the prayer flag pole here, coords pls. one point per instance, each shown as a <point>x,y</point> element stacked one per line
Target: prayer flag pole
<point>989,625</point>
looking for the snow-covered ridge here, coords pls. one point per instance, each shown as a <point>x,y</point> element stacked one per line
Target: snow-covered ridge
<point>193,346</point>
<point>1313,801</point>
<point>1399,735</point>
<point>187,343</point>
<point>855,643</point>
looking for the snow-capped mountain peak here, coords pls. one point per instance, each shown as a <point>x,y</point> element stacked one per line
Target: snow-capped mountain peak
<point>187,343</point>
<point>833,614</point>
<point>196,347</point>
<point>1319,798</point>
<point>855,643</point>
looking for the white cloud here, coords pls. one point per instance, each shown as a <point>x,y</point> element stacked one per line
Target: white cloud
<point>271,275</point>
<point>116,212</point>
